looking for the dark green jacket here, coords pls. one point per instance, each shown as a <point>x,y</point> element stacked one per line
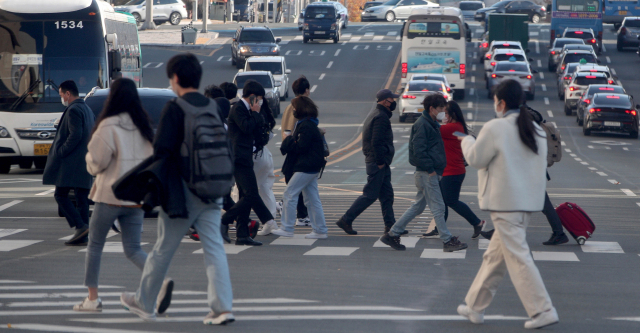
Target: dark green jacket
<point>426,148</point>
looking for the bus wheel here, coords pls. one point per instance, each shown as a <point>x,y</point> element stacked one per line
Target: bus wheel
<point>5,165</point>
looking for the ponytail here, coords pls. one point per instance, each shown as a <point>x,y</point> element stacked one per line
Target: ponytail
<point>510,91</point>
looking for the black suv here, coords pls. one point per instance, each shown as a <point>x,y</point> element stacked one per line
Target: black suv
<point>253,41</point>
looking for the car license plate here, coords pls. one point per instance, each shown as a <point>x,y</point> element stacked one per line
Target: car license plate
<point>612,123</point>
<point>622,12</point>
<point>320,32</point>
<point>41,149</point>
<point>420,109</point>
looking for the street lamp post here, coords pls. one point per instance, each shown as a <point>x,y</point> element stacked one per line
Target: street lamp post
<point>148,23</point>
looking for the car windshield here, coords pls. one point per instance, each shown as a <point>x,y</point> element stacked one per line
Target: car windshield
<point>632,24</point>
<point>256,36</point>
<point>559,43</point>
<point>578,34</point>
<point>507,56</point>
<point>590,79</point>
<point>511,67</point>
<point>391,3</point>
<point>320,12</point>
<point>134,2</point>
<point>577,57</point>
<point>274,67</point>
<point>264,80</point>
<point>425,86</point>
<point>607,89</point>
<point>613,101</point>
<point>470,5</point>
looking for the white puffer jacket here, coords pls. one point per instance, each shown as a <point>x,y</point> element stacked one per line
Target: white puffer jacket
<point>511,177</point>
<point>115,148</point>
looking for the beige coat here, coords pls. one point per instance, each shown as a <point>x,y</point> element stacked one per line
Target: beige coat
<point>115,148</point>
<point>288,120</point>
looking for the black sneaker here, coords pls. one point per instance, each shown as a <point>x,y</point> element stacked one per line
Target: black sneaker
<point>477,229</point>
<point>487,234</point>
<point>394,242</point>
<point>387,229</point>
<point>346,227</point>
<point>454,245</point>
<point>78,236</point>
<point>557,239</point>
<point>433,234</point>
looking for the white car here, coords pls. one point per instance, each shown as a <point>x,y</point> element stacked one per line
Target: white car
<point>595,68</point>
<point>436,77</point>
<point>500,44</point>
<point>172,11</point>
<point>396,10</point>
<point>271,87</point>
<point>504,55</point>
<point>278,68</point>
<point>578,85</point>
<point>414,93</point>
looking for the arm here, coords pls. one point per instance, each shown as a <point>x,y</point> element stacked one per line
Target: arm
<point>421,149</point>
<point>246,120</point>
<point>305,139</point>
<point>74,120</point>
<point>99,155</point>
<point>479,153</point>
<point>379,127</point>
<point>287,145</point>
<point>170,132</point>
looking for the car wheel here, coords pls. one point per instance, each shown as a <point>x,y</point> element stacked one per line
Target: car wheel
<point>560,97</point>
<point>305,40</point>
<point>580,121</point>
<point>137,17</point>
<point>567,110</point>
<point>633,135</point>
<point>5,165</point>
<point>619,46</point>
<point>336,40</point>
<point>535,18</point>
<point>282,98</point>
<point>402,119</point>
<point>586,131</point>
<point>390,16</point>
<point>175,18</point>
<point>25,164</point>
<point>239,65</point>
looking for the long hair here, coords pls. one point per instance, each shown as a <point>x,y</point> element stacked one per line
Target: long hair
<point>510,91</point>
<point>304,107</point>
<point>123,97</point>
<point>454,111</point>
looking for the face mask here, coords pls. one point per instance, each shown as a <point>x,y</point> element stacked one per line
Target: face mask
<point>260,102</point>
<point>63,102</point>
<point>393,106</point>
<point>440,116</point>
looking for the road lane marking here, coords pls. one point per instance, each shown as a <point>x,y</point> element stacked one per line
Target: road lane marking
<point>10,245</point>
<point>541,75</point>
<point>298,240</point>
<point>638,203</point>
<point>220,58</point>
<point>471,91</point>
<point>470,105</point>
<point>563,143</point>
<point>469,116</point>
<point>473,79</point>
<point>56,287</point>
<point>321,77</point>
<point>550,113</point>
<point>10,204</point>
<point>593,169</point>
<point>201,62</point>
<point>297,38</point>
<point>290,52</point>
<point>567,150</point>
<point>601,247</point>
<point>475,55</point>
<point>72,329</point>
<point>8,232</point>
<point>83,294</point>
<point>392,33</point>
<point>608,59</point>
<point>359,47</point>
<point>533,33</point>
<point>537,46</point>
<point>398,38</point>
<point>613,181</point>
<point>313,88</point>
<point>113,247</point>
<point>613,71</point>
<point>345,36</point>
<point>604,49</point>
<point>337,52</point>
<point>228,249</point>
<point>546,101</point>
<point>554,256</point>
<point>179,301</point>
<point>628,192</point>
<point>332,251</point>
<point>544,87</point>
<point>539,63</point>
<point>438,254</point>
<point>312,53</point>
<point>47,192</point>
<point>368,34</point>
<point>473,67</point>
<point>573,155</point>
<point>584,163</point>
<point>578,159</point>
<point>378,38</point>
<point>344,43</point>
<point>157,64</point>
<point>330,64</point>
<point>625,148</point>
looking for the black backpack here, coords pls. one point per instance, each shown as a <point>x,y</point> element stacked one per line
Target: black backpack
<point>206,151</point>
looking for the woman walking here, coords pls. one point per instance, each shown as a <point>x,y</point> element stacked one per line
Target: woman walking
<point>121,139</point>
<point>455,171</point>
<point>511,155</point>
<point>305,159</point>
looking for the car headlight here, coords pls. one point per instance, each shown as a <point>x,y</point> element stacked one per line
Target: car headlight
<point>4,133</point>
<point>274,49</point>
<point>306,26</point>
<point>333,26</point>
<point>244,49</point>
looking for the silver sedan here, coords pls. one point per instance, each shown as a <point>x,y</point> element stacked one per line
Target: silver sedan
<point>514,70</point>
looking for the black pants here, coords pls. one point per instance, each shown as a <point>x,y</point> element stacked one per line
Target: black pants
<point>249,199</point>
<point>450,187</point>
<point>76,217</point>
<point>378,187</point>
<point>552,216</point>
<point>301,208</point>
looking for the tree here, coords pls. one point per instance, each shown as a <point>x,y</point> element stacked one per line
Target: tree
<point>354,9</point>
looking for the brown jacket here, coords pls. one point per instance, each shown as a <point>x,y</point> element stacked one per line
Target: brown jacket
<point>288,120</point>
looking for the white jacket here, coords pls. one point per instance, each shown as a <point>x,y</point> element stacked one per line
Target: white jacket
<point>511,177</point>
<point>115,148</point>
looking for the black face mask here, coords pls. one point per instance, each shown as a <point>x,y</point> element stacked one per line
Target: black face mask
<point>392,106</point>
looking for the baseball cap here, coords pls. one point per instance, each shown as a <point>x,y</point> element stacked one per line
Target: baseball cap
<point>384,94</point>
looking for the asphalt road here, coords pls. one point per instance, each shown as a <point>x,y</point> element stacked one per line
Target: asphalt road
<point>348,283</point>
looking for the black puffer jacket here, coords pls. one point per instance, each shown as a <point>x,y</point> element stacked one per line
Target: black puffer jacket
<point>242,125</point>
<point>304,149</point>
<point>426,148</point>
<point>377,137</point>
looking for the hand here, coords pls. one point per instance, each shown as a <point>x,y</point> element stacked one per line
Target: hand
<point>255,107</point>
<point>381,166</point>
<point>433,174</point>
<point>323,131</point>
<point>460,138</point>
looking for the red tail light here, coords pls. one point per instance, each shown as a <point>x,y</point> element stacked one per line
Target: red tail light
<point>448,89</point>
<point>572,88</point>
<point>563,66</point>
<point>614,97</point>
<point>606,88</point>
<point>631,112</point>
<point>488,56</point>
<point>593,41</point>
<point>587,101</point>
<point>594,110</point>
<point>578,32</point>
<point>567,77</point>
<point>590,76</point>
<point>610,81</point>
<point>494,76</point>
<point>526,77</point>
<point>542,8</point>
<point>485,45</point>
<point>623,30</point>
<point>405,69</point>
<point>463,70</point>
<point>493,63</point>
<point>553,52</point>
<point>408,96</point>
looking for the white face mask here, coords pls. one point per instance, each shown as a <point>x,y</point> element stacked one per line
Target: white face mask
<point>260,102</point>
<point>63,102</point>
<point>440,116</point>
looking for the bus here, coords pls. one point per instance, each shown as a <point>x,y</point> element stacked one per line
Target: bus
<point>616,10</point>
<point>576,14</point>
<point>43,43</point>
<point>434,41</point>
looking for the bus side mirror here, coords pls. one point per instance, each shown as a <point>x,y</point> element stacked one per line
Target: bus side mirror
<point>115,63</point>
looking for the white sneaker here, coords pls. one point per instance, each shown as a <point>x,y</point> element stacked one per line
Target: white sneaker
<point>303,222</point>
<point>268,228</point>
<point>89,306</point>
<point>474,317</point>
<point>128,301</point>
<point>314,235</point>
<point>543,319</point>
<point>223,319</point>
<point>280,232</point>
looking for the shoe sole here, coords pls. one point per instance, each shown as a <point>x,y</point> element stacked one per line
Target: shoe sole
<point>138,312</point>
<point>224,322</point>
<point>547,325</point>
<point>454,250</point>
<point>166,300</point>
<point>430,237</point>
<point>76,244</point>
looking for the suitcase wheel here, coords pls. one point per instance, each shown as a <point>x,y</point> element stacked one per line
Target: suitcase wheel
<point>581,240</point>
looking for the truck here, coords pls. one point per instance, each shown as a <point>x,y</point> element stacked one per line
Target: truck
<point>509,27</point>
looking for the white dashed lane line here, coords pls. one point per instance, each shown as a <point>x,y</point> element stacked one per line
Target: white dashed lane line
<point>546,101</point>
<point>567,150</point>
<point>628,192</point>
<point>471,91</point>
<point>613,71</point>
<point>613,181</point>
<point>473,79</point>
<point>544,87</point>
<point>601,173</point>
<point>473,67</point>
<point>608,59</point>
<point>330,64</point>
<point>313,88</point>
<point>550,113</point>
<point>470,105</point>
<point>541,75</point>
<point>321,77</point>
<point>539,63</point>
<point>469,116</point>
<point>337,52</point>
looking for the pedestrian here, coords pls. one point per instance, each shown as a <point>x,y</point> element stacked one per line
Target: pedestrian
<point>427,154</point>
<point>454,172</point>
<point>66,167</point>
<point>244,119</point>
<point>230,91</point>
<point>121,139</point>
<point>511,157</point>
<point>305,160</point>
<point>300,87</point>
<point>217,94</point>
<point>184,72</point>
<point>377,146</point>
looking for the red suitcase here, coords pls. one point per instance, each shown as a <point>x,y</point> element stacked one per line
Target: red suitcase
<point>576,221</point>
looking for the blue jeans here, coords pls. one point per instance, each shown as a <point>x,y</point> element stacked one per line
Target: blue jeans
<point>307,184</point>
<point>428,193</point>
<point>206,219</point>
<point>101,221</point>
<point>451,186</point>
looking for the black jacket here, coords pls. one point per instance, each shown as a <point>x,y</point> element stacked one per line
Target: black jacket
<point>377,137</point>
<point>304,149</point>
<point>242,124</point>
<point>426,148</point>
<point>66,166</point>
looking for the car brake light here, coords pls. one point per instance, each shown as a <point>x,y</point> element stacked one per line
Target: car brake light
<point>632,112</point>
<point>593,70</point>
<point>493,63</point>
<point>485,45</point>
<point>448,89</point>
<point>572,88</point>
<point>587,101</point>
<point>509,53</point>
<point>405,69</point>
<point>610,81</point>
<point>488,56</point>
<point>493,76</point>
<point>512,70</point>
<point>507,45</point>
<point>578,32</point>
<point>593,40</point>
<point>594,110</point>
<point>614,97</point>
<point>563,66</point>
<point>623,30</point>
<point>567,78</point>
<point>526,77</point>
<point>463,70</point>
<point>590,76</point>
<point>553,52</point>
<point>408,96</point>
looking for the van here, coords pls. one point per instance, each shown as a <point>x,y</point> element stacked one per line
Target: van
<point>321,21</point>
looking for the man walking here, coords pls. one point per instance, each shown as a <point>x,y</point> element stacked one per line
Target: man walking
<point>184,73</point>
<point>377,146</point>
<point>66,167</point>
<point>426,153</point>
<point>244,118</point>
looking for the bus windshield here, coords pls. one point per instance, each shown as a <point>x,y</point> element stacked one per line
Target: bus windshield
<point>434,29</point>
<point>591,6</point>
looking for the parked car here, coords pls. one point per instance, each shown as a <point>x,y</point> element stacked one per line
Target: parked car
<point>629,33</point>
<point>414,93</point>
<point>253,41</point>
<point>469,8</point>
<point>586,98</point>
<point>277,65</point>
<point>576,56</point>
<point>366,6</point>
<point>171,11</point>
<point>585,34</point>
<point>577,86</point>
<point>271,87</point>
<point>556,48</point>
<point>396,10</point>
<point>516,70</point>
<point>611,113</point>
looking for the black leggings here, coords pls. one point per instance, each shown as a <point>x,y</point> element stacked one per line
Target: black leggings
<point>450,187</point>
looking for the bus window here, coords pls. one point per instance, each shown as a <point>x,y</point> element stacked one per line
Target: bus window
<point>578,6</point>
<point>434,29</point>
